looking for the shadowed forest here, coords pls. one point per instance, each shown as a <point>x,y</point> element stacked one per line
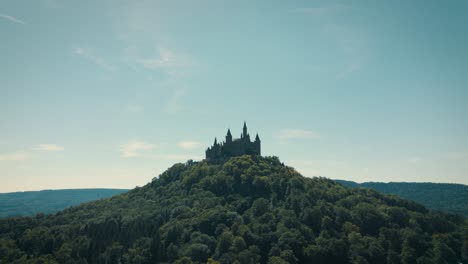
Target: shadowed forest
<point>250,209</point>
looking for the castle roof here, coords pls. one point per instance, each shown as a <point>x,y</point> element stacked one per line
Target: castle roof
<point>233,147</point>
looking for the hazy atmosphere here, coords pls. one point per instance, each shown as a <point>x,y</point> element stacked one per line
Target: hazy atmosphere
<point>112,93</point>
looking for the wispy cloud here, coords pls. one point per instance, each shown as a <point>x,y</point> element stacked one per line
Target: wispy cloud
<point>142,29</point>
<point>86,54</point>
<point>140,149</point>
<point>12,19</point>
<point>189,144</point>
<point>168,61</point>
<point>176,68</point>
<point>24,155</point>
<point>15,156</point>
<point>135,148</point>
<point>286,134</point>
<point>49,147</point>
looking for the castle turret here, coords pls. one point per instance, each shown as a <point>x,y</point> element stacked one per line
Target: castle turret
<point>233,147</point>
<point>244,130</point>
<point>257,145</point>
<point>228,136</point>
<point>245,135</point>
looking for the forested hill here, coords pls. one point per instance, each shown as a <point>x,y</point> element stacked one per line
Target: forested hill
<point>250,209</point>
<point>49,201</point>
<point>451,198</point>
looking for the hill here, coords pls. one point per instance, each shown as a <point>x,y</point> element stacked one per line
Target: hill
<point>451,198</point>
<point>249,209</point>
<point>49,201</point>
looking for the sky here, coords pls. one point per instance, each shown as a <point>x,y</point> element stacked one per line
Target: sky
<point>110,93</point>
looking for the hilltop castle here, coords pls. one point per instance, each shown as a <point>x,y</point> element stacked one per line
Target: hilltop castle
<point>233,147</point>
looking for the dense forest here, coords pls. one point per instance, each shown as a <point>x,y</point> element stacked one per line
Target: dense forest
<point>250,209</point>
<point>450,198</point>
<point>49,201</point>
<point>447,197</point>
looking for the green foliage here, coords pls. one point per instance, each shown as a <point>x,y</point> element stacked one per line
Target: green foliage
<point>49,201</point>
<point>249,209</point>
<point>446,197</point>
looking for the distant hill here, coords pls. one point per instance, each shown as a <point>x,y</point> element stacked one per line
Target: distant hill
<point>249,209</point>
<point>451,198</point>
<point>49,201</point>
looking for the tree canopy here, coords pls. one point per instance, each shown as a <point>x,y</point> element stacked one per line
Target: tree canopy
<point>446,197</point>
<point>250,209</point>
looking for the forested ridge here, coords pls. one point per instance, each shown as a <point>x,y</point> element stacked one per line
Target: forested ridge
<point>447,197</point>
<point>49,201</point>
<point>250,209</point>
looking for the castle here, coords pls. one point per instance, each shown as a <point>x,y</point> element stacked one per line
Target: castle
<point>233,147</point>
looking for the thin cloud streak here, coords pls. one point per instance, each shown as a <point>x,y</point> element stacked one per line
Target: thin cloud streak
<point>168,61</point>
<point>175,67</point>
<point>140,149</point>
<point>189,144</point>
<point>15,156</point>
<point>25,155</point>
<point>12,19</point>
<point>49,147</point>
<point>135,148</point>
<point>92,58</point>
<point>286,134</point>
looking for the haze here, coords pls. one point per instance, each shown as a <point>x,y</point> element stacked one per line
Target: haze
<point>111,93</point>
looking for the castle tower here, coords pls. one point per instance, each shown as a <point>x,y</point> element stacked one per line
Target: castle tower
<point>257,145</point>
<point>228,136</point>
<point>222,151</point>
<point>245,135</point>
<point>244,130</point>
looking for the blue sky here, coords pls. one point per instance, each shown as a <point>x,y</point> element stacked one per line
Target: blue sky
<point>111,93</point>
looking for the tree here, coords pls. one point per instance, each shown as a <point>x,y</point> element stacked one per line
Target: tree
<point>198,252</point>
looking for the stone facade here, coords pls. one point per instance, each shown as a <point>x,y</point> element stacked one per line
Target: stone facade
<point>233,147</point>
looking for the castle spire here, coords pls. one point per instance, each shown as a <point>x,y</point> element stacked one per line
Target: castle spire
<point>228,136</point>
<point>244,130</point>
<point>222,151</point>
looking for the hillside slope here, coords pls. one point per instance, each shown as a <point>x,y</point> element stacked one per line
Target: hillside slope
<point>451,198</point>
<point>49,201</point>
<point>247,210</point>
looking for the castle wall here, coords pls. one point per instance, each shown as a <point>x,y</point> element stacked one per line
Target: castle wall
<point>232,148</point>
